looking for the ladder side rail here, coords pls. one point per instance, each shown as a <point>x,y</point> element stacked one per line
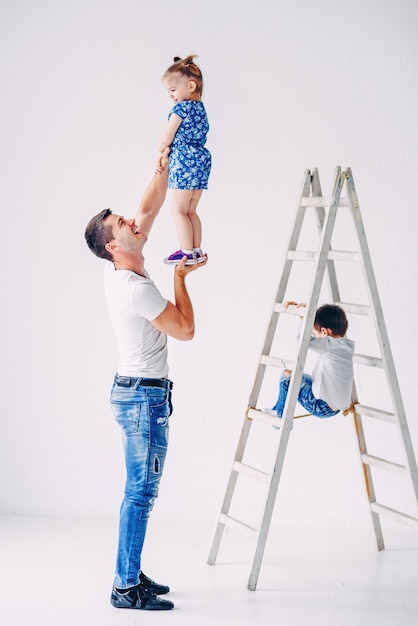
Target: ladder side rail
<point>289,409</point>
<point>320,218</point>
<point>324,247</point>
<point>293,241</point>
<point>271,497</point>
<point>286,425</point>
<point>321,264</point>
<point>367,474</point>
<point>300,214</point>
<point>229,492</point>
<point>332,278</point>
<point>287,266</point>
<point>300,211</point>
<point>382,334</point>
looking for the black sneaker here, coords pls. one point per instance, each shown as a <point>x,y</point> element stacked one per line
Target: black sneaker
<point>150,584</point>
<point>139,597</point>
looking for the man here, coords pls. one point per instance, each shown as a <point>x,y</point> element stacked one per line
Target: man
<point>141,392</point>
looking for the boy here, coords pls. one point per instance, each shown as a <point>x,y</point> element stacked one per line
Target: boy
<point>328,390</point>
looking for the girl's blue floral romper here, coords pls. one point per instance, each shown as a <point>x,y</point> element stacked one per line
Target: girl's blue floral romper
<point>189,161</point>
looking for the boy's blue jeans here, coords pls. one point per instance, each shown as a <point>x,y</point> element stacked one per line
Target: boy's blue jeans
<point>316,407</point>
<point>142,412</point>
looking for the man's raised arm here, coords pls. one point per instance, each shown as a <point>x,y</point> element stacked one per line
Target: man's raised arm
<point>153,198</point>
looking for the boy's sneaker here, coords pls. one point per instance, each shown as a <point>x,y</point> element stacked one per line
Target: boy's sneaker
<point>271,412</point>
<point>274,413</point>
<point>139,597</point>
<point>192,259</point>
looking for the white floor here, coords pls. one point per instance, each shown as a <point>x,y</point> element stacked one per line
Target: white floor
<point>57,572</point>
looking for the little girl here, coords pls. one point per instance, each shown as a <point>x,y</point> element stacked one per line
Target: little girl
<point>189,160</point>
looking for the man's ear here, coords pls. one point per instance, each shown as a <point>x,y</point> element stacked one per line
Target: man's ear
<point>111,247</point>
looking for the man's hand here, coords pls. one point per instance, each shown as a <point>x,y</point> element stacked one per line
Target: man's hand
<point>177,320</point>
<point>182,269</point>
<point>162,161</point>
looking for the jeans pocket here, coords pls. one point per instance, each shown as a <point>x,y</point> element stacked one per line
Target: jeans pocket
<point>160,406</point>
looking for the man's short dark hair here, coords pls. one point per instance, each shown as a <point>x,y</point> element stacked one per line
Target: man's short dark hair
<point>333,317</point>
<point>98,234</point>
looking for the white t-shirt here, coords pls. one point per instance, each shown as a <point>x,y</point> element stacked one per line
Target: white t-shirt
<point>332,374</point>
<point>132,302</point>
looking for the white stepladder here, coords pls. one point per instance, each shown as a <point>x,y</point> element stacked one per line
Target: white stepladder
<point>324,260</point>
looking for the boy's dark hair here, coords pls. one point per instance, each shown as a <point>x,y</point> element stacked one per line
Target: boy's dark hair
<point>187,67</point>
<point>333,317</point>
<point>98,234</point>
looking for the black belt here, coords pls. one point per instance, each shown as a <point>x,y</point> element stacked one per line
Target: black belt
<point>129,381</point>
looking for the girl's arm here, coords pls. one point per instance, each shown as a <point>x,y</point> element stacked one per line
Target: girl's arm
<point>169,132</point>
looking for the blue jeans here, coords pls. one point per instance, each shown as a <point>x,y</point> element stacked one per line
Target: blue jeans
<point>316,407</point>
<point>142,412</point>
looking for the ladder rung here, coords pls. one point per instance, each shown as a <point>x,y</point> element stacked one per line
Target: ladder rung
<point>259,416</point>
<point>343,255</point>
<point>302,255</point>
<point>279,307</point>
<point>380,509</point>
<point>321,201</point>
<point>371,361</point>
<point>369,459</point>
<point>376,413</point>
<point>360,359</point>
<point>252,472</point>
<point>231,522</point>
<point>333,255</point>
<point>359,309</point>
<point>275,361</point>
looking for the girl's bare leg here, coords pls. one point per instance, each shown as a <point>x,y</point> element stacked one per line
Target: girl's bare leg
<point>195,219</point>
<point>186,221</point>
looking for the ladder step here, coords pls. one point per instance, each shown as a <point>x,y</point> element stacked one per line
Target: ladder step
<point>358,309</point>
<point>259,416</point>
<point>252,472</point>
<point>343,255</point>
<point>398,516</point>
<point>360,359</point>
<point>369,459</point>
<point>302,255</point>
<point>333,255</point>
<point>371,361</point>
<point>231,522</point>
<point>279,307</point>
<point>321,201</point>
<point>276,362</point>
<point>385,416</point>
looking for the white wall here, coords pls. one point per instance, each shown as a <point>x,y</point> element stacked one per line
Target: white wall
<point>288,86</point>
